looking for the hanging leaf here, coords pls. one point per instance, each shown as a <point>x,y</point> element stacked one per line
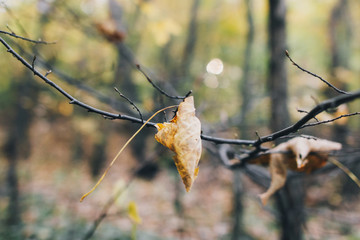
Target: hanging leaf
<point>299,154</point>
<point>182,136</point>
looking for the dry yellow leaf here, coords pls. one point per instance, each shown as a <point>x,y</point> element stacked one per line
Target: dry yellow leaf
<point>133,213</point>
<point>182,136</point>
<point>299,154</point>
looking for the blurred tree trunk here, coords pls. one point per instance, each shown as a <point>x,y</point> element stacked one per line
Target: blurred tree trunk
<point>99,155</point>
<point>246,85</point>
<point>290,205</point>
<point>17,144</point>
<point>183,72</point>
<point>340,36</point>
<point>13,217</point>
<point>340,42</point>
<point>238,206</point>
<point>189,49</point>
<point>277,79</point>
<point>238,231</point>
<point>290,199</point>
<point>178,72</point>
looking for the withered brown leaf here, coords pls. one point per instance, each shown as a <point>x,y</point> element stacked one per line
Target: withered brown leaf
<point>302,154</point>
<point>182,136</point>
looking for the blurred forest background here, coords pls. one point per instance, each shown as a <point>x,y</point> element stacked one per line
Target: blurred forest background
<point>53,152</point>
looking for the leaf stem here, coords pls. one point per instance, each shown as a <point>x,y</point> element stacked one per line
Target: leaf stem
<point>121,150</point>
<point>346,170</point>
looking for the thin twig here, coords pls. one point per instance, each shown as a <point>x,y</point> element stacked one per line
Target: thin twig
<point>47,73</point>
<point>257,135</point>
<point>131,102</point>
<point>330,120</point>
<point>24,38</point>
<point>313,74</point>
<point>304,111</point>
<point>33,63</point>
<point>301,111</point>
<point>8,27</point>
<point>158,88</point>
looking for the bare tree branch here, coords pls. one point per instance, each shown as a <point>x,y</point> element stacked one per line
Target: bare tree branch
<point>328,104</point>
<point>321,107</point>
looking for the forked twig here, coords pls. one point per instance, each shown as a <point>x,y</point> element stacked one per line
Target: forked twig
<point>131,103</point>
<point>330,120</point>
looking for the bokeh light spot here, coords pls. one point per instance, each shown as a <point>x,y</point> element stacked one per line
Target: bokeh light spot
<point>211,81</point>
<point>215,66</point>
